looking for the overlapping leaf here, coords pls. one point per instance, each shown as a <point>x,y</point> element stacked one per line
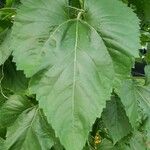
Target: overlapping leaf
<point>13,80</point>
<point>30,131</point>
<point>142,8</point>
<point>5,24</point>
<point>12,108</point>
<point>135,98</point>
<point>4,46</point>
<point>74,60</point>
<point>115,119</point>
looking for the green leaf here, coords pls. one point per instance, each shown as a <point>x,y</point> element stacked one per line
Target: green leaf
<point>142,9</point>
<point>75,89</point>
<point>147,10</point>
<point>3,133</point>
<point>12,108</point>
<point>74,60</point>
<point>143,97</point>
<point>129,100</point>
<point>4,46</point>
<point>147,74</point>
<point>115,119</point>
<point>147,130</point>
<point>137,142</point>
<point>2,144</point>
<point>117,31</point>
<point>30,132</point>
<point>17,82</point>
<point>5,24</point>
<point>135,98</point>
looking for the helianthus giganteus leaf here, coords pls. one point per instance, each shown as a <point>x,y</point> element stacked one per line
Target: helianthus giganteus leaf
<point>74,60</point>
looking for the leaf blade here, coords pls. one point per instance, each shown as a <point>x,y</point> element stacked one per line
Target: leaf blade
<point>30,131</point>
<point>115,119</point>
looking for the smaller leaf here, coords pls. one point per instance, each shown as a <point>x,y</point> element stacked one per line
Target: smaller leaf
<point>12,108</point>
<point>143,97</point>
<point>115,119</point>
<point>2,144</point>
<point>30,132</point>
<point>129,100</point>
<point>17,82</point>
<point>135,98</point>
<point>4,46</point>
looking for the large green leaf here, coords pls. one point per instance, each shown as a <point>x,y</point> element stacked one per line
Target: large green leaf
<point>75,60</point>
<point>119,31</point>
<point>30,132</point>
<point>12,108</point>
<point>77,86</point>
<point>115,119</point>
<point>135,98</point>
<point>34,22</point>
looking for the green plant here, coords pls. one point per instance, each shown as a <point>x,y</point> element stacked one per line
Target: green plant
<point>66,79</point>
